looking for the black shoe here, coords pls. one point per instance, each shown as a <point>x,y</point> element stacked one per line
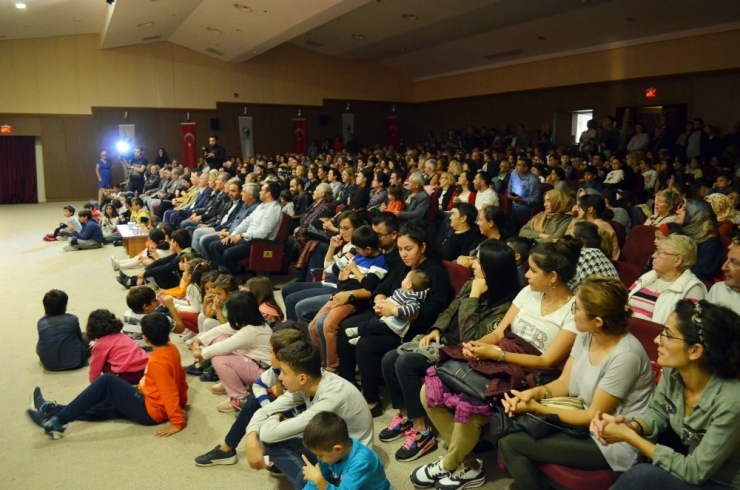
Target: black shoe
<point>123,282</point>
<point>376,411</point>
<point>273,470</point>
<point>37,399</point>
<point>193,369</point>
<point>209,376</point>
<point>216,456</point>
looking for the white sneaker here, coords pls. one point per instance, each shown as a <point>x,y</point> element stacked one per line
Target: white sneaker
<point>352,331</point>
<point>463,477</point>
<point>189,334</point>
<point>353,340</point>
<point>426,476</point>
<point>114,263</point>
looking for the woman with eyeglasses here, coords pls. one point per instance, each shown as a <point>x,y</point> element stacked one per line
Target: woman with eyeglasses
<point>697,398</point>
<point>654,295</point>
<point>608,372</point>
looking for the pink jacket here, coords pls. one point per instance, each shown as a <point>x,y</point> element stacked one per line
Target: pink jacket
<point>120,351</point>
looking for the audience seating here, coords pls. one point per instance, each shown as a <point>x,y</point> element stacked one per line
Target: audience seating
<point>505,204</point>
<point>620,231</point>
<point>459,275</point>
<point>628,273</point>
<point>639,246</point>
<point>268,255</point>
<point>434,206</point>
<point>646,331</point>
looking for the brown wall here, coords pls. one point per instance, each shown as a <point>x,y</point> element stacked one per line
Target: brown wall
<point>715,97</point>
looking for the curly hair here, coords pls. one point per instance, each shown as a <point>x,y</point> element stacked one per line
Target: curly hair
<point>101,323</point>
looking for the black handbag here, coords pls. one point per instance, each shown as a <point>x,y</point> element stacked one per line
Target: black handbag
<point>317,234</point>
<point>537,426</point>
<point>459,377</point>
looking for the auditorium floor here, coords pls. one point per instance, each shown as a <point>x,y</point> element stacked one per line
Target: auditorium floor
<point>114,454</point>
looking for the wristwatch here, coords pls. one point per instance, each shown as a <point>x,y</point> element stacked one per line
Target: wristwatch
<point>351,297</point>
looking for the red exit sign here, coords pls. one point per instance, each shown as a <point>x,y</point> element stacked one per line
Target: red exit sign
<point>6,129</point>
<point>651,93</point>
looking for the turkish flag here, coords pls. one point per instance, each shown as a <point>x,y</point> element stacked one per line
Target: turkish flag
<point>187,130</point>
<point>393,138</point>
<point>299,134</point>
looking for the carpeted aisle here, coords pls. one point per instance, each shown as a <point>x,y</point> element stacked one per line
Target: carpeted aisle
<point>114,454</point>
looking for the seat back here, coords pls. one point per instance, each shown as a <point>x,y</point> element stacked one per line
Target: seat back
<point>434,204</point>
<point>505,204</point>
<point>284,230</point>
<point>646,331</point>
<point>620,231</point>
<point>459,275</point>
<point>639,246</point>
<point>628,273</point>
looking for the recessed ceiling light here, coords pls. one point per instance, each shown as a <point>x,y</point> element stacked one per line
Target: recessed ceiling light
<point>241,7</point>
<point>409,17</point>
<point>213,29</point>
<point>358,36</point>
<point>145,24</point>
<point>20,5</point>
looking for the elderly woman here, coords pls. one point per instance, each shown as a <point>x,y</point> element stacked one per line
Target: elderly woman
<point>316,214</point>
<point>431,177</point>
<point>698,222</point>
<point>696,399</point>
<point>465,234</point>
<point>608,371</point>
<point>594,259</point>
<point>654,295</point>
<point>592,209</point>
<point>479,306</point>
<point>447,190</point>
<point>417,202</point>
<point>552,223</point>
<point>666,203</point>
<point>723,209</point>
<point>542,315</point>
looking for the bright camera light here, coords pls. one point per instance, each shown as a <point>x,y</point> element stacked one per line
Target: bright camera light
<point>123,147</point>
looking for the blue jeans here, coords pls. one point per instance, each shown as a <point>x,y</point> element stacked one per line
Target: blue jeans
<point>239,427</point>
<point>645,476</point>
<point>306,310</point>
<point>286,455</point>
<point>108,397</point>
<point>294,292</point>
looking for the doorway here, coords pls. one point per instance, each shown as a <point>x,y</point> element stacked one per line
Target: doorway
<point>18,170</point>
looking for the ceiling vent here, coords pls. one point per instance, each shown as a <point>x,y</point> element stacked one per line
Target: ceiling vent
<point>152,38</point>
<point>314,44</point>
<point>214,51</point>
<point>504,54</point>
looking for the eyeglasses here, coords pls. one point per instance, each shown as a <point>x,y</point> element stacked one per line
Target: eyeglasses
<point>658,252</point>
<point>664,333</point>
<point>383,235</point>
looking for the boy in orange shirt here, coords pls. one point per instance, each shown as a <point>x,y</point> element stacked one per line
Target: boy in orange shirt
<point>160,395</point>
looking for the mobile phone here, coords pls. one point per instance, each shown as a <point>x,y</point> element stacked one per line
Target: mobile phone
<point>514,194</point>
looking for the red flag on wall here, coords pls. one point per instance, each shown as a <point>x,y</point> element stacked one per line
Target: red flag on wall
<point>187,130</point>
<point>393,139</point>
<point>299,134</point>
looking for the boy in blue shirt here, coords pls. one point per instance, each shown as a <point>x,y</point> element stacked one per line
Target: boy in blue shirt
<point>344,463</point>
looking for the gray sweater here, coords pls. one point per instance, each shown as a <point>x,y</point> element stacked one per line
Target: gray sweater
<point>334,394</point>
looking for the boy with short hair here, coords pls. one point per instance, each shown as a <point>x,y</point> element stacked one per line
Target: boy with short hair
<point>92,207</point>
<point>61,345</point>
<point>89,237</point>
<point>139,214</point>
<point>160,395</point>
<point>66,228</point>
<point>343,462</point>
<point>407,300</point>
<point>141,301</point>
<point>269,432</point>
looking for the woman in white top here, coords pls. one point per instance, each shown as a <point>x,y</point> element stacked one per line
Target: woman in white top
<point>239,349</point>
<point>608,371</point>
<point>542,315</point>
<point>640,141</point>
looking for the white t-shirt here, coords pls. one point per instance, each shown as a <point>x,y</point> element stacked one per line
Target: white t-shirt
<point>488,196</point>
<point>538,330</point>
<point>625,374</point>
<point>722,295</point>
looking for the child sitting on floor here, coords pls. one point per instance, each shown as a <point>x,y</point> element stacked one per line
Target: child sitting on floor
<point>67,227</point>
<point>190,305</point>
<point>161,394</point>
<point>262,289</point>
<point>113,352</point>
<point>92,207</point>
<point>61,345</point>
<point>407,299</point>
<point>142,300</point>
<point>156,248</point>
<point>343,462</point>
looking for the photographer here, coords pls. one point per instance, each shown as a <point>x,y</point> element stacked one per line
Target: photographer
<point>135,168</point>
<point>215,155</point>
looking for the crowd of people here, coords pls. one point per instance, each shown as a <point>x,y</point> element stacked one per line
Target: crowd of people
<point>380,238</point>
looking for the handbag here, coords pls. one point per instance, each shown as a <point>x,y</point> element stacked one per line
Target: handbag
<point>316,234</point>
<point>459,377</point>
<point>537,426</point>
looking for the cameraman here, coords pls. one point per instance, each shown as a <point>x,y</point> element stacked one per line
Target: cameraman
<point>137,168</point>
<point>215,155</point>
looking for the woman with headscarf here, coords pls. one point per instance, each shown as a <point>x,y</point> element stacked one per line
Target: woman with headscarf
<point>727,218</point>
<point>698,222</point>
<point>552,223</point>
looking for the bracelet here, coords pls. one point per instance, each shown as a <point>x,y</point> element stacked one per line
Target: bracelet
<point>503,356</point>
<point>639,428</point>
